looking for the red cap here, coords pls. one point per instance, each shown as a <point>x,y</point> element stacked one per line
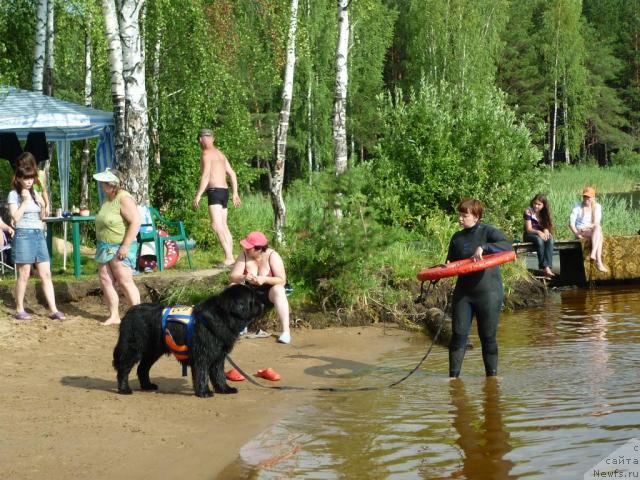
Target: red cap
<point>254,239</point>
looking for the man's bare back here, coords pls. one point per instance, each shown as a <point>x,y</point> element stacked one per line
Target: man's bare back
<point>214,168</point>
<point>217,167</point>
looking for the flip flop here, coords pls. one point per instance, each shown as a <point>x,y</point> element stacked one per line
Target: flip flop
<point>268,374</point>
<point>222,266</point>
<point>234,375</point>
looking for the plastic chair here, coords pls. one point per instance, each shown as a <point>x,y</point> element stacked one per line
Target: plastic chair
<point>4,249</point>
<point>149,233</point>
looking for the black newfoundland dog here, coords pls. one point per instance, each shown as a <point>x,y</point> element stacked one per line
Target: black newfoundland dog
<point>217,322</point>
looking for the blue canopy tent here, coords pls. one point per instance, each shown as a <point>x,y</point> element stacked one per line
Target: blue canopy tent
<point>22,112</point>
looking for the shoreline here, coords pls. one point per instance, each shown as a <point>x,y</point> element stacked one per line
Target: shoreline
<point>62,416</point>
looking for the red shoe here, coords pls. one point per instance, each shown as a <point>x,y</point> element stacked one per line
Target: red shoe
<point>234,375</point>
<point>268,374</point>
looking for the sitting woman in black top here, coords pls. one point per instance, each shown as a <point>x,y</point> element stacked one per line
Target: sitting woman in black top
<point>478,293</point>
<point>537,229</point>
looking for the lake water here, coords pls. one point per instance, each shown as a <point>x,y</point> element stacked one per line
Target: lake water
<point>568,396</point>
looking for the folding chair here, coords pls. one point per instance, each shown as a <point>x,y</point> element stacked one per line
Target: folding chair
<point>4,252</point>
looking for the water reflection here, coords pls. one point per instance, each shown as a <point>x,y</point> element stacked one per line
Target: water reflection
<point>567,397</point>
<point>484,446</point>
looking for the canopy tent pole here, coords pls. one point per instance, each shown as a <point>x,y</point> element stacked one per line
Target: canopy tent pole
<point>63,151</point>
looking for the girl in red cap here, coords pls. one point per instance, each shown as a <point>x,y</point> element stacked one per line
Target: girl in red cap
<point>262,266</point>
<point>584,222</point>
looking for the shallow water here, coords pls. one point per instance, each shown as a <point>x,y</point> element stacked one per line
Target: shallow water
<point>566,398</point>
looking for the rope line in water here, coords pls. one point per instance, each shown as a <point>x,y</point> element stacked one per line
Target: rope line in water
<point>359,389</point>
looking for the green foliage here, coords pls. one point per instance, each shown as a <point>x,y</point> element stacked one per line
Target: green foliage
<point>16,42</point>
<point>312,106</point>
<point>519,74</point>
<point>617,23</point>
<point>338,258</point>
<point>609,115</point>
<point>455,41</point>
<point>196,91</point>
<point>563,50</point>
<point>372,33</point>
<point>625,157</point>
<point>444,144</point>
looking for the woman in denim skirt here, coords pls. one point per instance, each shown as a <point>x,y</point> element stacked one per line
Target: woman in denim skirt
<point>27,209</point>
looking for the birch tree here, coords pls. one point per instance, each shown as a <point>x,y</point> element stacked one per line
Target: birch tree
<point>310,128</point>
<point>554,110</point>
<point>134,159</point>
<point>114,50</point>
<point>39,48</point>
<point>88,102</point>
<point>277,168</point>
<point>155,88</point>
<point>340,99</point>
<point>50,47</point>
<point>563,49</point>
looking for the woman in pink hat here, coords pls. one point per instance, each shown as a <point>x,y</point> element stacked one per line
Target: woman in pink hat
<point>262,266</point>
<point>584,222</point>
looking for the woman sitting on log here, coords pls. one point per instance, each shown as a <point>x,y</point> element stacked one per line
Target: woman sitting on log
<point>537,230</point>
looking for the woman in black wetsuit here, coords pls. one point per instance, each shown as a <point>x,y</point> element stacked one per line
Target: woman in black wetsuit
<point>478,293</point>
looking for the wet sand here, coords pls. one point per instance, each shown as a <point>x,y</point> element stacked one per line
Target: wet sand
<point>61,416</point>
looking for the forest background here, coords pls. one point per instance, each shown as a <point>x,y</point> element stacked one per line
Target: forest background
<point>446,99</point>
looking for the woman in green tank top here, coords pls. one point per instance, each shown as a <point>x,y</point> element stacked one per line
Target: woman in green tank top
<point>117,224</point>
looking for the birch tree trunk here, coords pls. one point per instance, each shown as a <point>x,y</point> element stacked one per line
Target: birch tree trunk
<point>277,170</point>
<point>155,136</point>
<point>50,46</point>
<point>39,48</point>
<point>554,119</point>
<point>88,102</point>
<point>340,99</point>
<point>310,123</point>
<point>135,160</point>
<point>114,49</point>
<point>565,119</point>
<point>310,129</point>
<point>554,125</point>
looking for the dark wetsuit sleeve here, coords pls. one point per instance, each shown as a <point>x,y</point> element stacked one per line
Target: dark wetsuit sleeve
<point>496,241</point>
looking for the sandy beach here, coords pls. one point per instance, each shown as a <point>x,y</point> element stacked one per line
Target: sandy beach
<point>61,416</point>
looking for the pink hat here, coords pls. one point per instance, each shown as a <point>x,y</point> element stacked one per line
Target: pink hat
<point>254,239</point>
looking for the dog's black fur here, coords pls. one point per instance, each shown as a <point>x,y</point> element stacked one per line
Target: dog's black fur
<point>219,320</point>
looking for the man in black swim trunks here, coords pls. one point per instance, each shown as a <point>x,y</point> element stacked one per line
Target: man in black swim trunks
<point>214,168</point>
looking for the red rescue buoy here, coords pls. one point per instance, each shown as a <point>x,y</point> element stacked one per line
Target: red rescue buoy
<point>463,267</point>
<point>171,255</point>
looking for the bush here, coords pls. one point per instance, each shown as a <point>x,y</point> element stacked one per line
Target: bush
<point>337,260</point>
<point>626,157</point>
<point>444,144</point>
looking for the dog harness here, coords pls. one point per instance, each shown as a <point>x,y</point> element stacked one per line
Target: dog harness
<point>183,315</point>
